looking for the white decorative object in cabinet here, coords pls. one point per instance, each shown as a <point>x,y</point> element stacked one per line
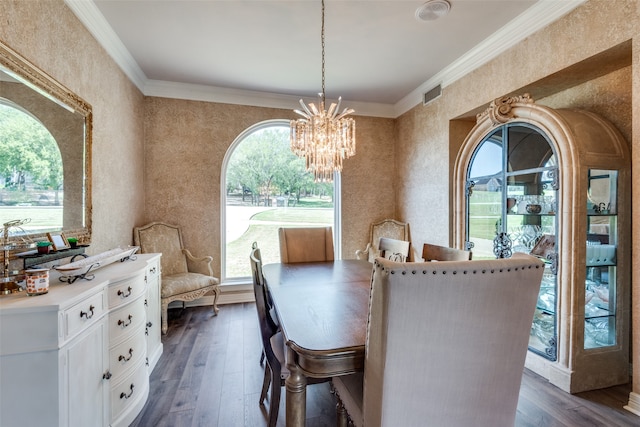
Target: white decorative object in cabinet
<point>77,356</point>
<point>556,183</point>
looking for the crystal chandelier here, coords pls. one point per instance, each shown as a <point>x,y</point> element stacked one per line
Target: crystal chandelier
<point>322,137</point>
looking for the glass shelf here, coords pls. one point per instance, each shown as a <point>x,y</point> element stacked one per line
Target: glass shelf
<point>601,260</point>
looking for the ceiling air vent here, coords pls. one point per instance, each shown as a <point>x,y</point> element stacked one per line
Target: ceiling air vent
<point>431,95</point>
<point>432,10</point>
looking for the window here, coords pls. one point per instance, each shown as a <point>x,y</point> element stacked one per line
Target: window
<point>31,178</point>
<point>264,187</point>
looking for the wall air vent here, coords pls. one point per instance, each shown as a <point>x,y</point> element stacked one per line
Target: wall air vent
<point>431,95</point>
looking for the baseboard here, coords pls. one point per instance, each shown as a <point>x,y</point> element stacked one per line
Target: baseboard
<point>634,403</point>
<point>228,295</point>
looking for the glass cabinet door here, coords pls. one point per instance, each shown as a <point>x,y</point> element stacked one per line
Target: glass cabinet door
<point>600,279</point>
<point>512,187</point>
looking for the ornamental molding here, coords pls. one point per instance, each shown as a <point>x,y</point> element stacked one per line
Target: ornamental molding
<point>500,110</point>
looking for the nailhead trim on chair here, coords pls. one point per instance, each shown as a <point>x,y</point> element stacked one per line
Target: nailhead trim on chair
<point>435,271</point>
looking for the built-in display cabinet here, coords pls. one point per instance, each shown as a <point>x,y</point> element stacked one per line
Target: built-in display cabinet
<point>81,354</point>
<point>555,184</point>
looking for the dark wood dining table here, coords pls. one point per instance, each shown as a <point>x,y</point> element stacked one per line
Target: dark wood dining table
<point>322,308</point>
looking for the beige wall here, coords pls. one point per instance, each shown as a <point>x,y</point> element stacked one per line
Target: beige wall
<point>186,142</point>
<point>49,35</point>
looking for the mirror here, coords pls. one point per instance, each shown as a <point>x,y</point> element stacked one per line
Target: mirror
<point>52,198</point>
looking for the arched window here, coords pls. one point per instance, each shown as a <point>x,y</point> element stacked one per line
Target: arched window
<point>265,186</point>
<point>31,173</point>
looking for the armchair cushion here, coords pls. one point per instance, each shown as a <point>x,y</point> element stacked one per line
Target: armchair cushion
<point>181,283</point>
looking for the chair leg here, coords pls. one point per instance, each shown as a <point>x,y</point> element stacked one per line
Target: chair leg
<point>216,293</point>
<point>274,399</point>
<point>265,382</point>
<point>165,323</point>
<point>341,414</point>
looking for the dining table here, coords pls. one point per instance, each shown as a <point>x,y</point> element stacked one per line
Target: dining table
<point>322,308</point>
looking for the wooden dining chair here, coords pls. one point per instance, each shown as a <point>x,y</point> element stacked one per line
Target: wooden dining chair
<point>272,343</point>
<point>305,244</point>
<point>393,249</point>
<point>458,364</point>
<point>275,370</point>
<point>443,253</point>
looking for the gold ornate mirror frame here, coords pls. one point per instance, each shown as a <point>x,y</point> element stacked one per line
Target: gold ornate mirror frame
<point>32,76</point>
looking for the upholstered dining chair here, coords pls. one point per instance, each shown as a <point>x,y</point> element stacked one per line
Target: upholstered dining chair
<point>393,249</point>
<point>275,370</point>
<point>443,253</point>
<point>457,364</point>
<point>184,277</point>
<point>388,228</point>
<point>305,244</point>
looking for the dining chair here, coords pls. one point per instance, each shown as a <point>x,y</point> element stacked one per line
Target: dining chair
<point>443,253</point>
<point>305,244</point>
<point>275,370</point>
<point>184,277</point>
<point>457,364</point>
<point>387,228</point>
<point>393,249</point>
<point>272,343</point>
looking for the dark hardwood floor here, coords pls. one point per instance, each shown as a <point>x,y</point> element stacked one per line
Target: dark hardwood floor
<point>209,375</point>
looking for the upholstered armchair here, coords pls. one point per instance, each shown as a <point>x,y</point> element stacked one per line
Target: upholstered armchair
<point>184,277</point>
<point>389,228</point>
<point>457,363</point>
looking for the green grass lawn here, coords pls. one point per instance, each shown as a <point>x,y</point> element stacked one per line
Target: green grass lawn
<point>266,234</point>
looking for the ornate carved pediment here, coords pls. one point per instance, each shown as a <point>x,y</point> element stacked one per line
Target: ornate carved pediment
<point>500,109</point>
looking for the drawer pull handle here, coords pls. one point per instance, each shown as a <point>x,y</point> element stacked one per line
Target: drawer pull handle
<point>123,295</point>
<point>106,375</point>
<point>86,314</point>
<point>125,358</point>
<point>146,331</point>
<point>153,270</point>
<point>123,323</point>
<point>124,395</point>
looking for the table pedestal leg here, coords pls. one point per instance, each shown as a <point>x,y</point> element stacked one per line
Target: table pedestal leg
<point>296,387</point>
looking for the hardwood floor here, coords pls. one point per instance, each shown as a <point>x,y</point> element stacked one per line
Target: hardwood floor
<point>209,375</point>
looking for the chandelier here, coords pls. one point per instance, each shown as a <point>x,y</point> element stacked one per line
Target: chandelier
<point>322,137</point>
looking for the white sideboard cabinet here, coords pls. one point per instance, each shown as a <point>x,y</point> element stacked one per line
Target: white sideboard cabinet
<point>81,355</point>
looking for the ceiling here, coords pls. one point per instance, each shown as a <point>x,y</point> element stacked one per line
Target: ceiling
<point>379,57</point>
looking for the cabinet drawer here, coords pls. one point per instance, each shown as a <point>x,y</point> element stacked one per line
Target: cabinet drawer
<point>129,391</point>
<point>83,314</point>
<point>125,320</point>
<point>126,291</point>
<point>127,354</point>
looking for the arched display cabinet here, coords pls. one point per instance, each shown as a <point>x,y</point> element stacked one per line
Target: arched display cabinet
<point>555,183</point>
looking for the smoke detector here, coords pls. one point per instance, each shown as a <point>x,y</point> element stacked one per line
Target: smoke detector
<point>432,10</point>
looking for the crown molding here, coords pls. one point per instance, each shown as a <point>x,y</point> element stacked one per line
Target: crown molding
<point>538,16</point>
<point>91,17</point>
<point>166,89</point>
<point>541,14</point>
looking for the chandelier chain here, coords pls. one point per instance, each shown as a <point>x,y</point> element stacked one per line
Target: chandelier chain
<point>322,38</point>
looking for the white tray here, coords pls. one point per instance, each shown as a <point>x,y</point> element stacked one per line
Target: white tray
<point>94,262</point>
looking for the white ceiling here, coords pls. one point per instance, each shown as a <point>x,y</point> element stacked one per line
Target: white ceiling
<point>379,57</point>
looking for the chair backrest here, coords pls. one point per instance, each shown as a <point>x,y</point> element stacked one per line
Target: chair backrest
<point>159,237</point>
<point>306,244</point>
<point>267,327</point>
<point>393,249</point>
<point>443,253</point>
<point>388,228</point>
<point>446,342</point>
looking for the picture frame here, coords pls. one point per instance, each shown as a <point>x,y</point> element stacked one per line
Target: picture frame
<point>58,240</point>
